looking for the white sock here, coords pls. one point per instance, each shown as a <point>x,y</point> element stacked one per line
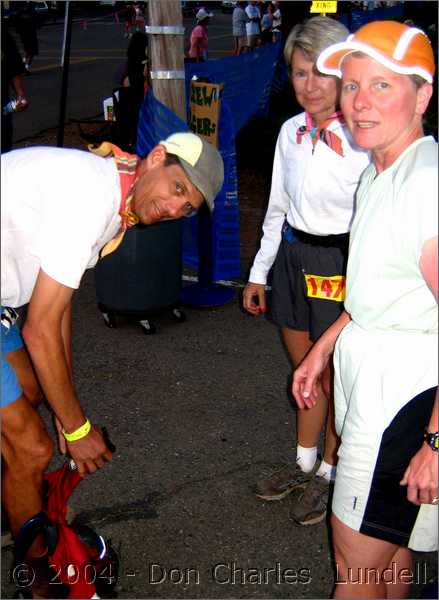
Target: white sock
<point>327,471</point>
<point>306,458</point>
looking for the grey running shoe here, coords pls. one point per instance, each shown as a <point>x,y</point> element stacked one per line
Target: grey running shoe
<point>281,482</point>
<point>309,503</point>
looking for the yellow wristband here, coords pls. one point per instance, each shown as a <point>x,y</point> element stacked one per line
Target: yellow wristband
<point>79,433</point>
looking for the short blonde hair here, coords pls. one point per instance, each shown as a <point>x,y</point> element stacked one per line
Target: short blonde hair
<point>313,36</point>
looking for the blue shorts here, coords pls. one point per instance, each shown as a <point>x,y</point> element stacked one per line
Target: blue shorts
<point>11,340</point>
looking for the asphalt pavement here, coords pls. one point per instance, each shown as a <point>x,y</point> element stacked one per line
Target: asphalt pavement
<point>197,412</point>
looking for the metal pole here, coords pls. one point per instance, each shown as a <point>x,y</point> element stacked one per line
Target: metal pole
<point>65,72</point>
<point>64,35</point>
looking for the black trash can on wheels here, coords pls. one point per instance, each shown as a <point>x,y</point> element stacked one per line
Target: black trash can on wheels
<point>143,276</point>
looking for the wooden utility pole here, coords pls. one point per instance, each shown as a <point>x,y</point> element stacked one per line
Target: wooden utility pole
<point>166,50</point>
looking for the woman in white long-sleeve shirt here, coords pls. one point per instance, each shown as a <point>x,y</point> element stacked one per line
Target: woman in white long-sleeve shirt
<point>306,235</point>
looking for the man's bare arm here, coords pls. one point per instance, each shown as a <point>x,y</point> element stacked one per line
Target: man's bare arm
<point>46,333</point>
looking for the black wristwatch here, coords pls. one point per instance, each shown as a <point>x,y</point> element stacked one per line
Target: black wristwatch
<point>432,439</point>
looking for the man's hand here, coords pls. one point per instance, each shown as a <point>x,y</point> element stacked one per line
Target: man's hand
<point>421,477</point>
<point>90,453</point>
<point>307,376</point>
<point>252,291</point>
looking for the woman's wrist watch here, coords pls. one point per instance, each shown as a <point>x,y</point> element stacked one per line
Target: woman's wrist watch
<point>432,439</point>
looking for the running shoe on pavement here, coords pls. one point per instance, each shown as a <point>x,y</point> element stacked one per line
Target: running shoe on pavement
<point>282,482</point>
<point>309,503</point>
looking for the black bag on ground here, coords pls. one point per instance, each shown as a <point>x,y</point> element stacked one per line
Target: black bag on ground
<point>144,273</point>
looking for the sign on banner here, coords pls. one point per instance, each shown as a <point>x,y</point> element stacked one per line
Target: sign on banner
<point>205,105</point>
<point>323,7</point>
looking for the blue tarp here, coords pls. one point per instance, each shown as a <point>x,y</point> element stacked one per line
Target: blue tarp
<point>247,80</point>
<point>225,230</point>
<point>358,18</point>
<point>155,124</point>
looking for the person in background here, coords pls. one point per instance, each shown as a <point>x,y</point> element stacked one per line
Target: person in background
<point>277,22</point>
<point>131,82</point>
<point>198,41</point>
<point>386,340</point>
<point>47,245</point>
<point>239,20</point>
<point>12,79</point>
<point>134,71</point>
<point>138,16</point>
<point>128,13</point>
<point>26,26</point>
<point>267,24</point>
<point>253,28</point>
<point>53,11</point>
<point>316,171</point>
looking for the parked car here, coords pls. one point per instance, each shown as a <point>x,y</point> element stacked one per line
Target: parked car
<point>41,9</point>
<point>228,6</point>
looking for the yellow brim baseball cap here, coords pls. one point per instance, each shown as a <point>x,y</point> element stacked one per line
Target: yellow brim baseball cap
<point>400,48</point>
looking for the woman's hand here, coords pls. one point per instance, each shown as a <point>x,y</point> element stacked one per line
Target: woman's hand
<point>308,375</point>
<point>252,291</point>
<point>421,477</point>
<point>309,372</point>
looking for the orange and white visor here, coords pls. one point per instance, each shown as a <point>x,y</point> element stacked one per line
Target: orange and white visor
<point>400,48</point>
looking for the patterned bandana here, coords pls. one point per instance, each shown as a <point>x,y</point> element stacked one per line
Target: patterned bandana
<point>321,133</point>
<point>127,165</point>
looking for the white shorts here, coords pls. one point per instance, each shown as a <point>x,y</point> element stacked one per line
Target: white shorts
<point>384,392</point>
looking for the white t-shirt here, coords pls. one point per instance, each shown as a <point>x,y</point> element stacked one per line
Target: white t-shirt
<point>397,211</point>
<point>314,190</point>
<point>252,12</point>
<point>59,208</point>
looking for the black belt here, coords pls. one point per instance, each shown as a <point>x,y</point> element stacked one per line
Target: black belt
<point>340,240</point>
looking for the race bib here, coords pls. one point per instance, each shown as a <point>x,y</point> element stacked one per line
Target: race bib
<point>326,288</point>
